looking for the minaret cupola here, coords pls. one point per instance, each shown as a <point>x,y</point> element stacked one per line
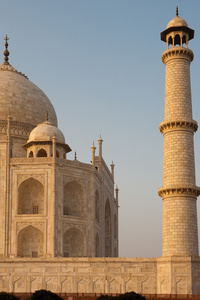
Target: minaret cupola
<point>177,33</point>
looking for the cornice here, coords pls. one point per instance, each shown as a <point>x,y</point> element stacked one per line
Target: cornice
<point>174,125</point>
<point>174,191</point>
<point>177,52</point>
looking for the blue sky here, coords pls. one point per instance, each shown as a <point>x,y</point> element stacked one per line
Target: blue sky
<point>99,62</point>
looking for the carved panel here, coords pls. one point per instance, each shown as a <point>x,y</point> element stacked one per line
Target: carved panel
<point>80,180</point>
<point>67,226</point>
<point>38,225</point>
<point>23,177</point>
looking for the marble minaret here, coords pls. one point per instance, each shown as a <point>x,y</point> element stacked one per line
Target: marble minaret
<point>179,190</point>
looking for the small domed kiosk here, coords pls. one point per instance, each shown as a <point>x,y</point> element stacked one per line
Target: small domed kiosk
<point>40,141</point>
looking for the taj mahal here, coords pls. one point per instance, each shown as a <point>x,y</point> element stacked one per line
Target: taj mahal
<point>59,217</point>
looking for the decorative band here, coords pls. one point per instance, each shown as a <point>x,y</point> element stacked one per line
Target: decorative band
<point>164,126</point>
<point>177,52</point>
<point>192,191</point>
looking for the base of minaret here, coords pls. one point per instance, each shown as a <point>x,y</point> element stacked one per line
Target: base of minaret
<point>178,275</point>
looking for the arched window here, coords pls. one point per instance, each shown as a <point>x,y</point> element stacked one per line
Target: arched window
<point>42,153</point>
<point>177,40</point>
<point>107,229</point>
<point>97,207</point>
<point>31,154</point>
<point>30,242</point>
<point>31,197</point>
<point>97,245</point>
<point>184,40</point>
<point>73,243</point>
<point>170,42</point>
<point>57,153</point>
<point>74,203</point>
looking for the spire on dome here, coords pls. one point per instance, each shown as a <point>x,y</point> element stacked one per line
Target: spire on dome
<point>177,13</point>
<point>6,52</point>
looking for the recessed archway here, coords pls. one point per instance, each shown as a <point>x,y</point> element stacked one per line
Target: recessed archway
<point>31,197</point>
<point>73,243</point>
<point>30,242</point>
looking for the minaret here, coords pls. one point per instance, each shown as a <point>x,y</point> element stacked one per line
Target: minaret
<point>179,191</point>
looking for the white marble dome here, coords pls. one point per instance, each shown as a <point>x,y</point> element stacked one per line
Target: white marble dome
<point>44,132</point>
<point>22,99</point>
<point>177,22</point>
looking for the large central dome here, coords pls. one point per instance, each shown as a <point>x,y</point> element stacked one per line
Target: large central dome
<point>22,99</point>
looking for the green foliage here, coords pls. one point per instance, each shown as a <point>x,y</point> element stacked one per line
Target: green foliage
<point>7,296</point>
<point>44,295</point>
<point>126,296</point>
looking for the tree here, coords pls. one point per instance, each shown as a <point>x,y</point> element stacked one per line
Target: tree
<point>44,295</point>
<point>7,296</point>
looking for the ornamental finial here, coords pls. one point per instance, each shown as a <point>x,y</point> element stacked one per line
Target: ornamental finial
<point>6,52</point>
<point>177,13</point>
<point>75,156</point>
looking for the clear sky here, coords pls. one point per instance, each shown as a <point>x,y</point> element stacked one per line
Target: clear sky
<point>99,62</point>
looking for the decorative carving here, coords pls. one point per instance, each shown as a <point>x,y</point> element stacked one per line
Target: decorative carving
<point>80,180</point>
<point>67,226</point>
<point>38,225</point>
<point>32,160</point>
<point>23,177</point>
<point>177,52</point>
<point>173,191</point>
<point>192,125</point>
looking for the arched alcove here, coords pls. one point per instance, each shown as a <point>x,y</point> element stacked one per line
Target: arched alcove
<point>42,153</point>
<point>107,229</point>
<point>97,245</point>
<point>31,154</point>
<point>170,42</point>
<point>184,40</point>
<point>31,197</point>
<point>74,203</point>
<point>73,243</point>
<point>97,207</point>
<point>177,40</point>
<point>30,242</point>
<point>57,153</point>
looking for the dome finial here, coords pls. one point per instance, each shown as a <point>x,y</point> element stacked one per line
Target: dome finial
<point>177,13</point>
<point>6,52</point>
<point>75,156</point>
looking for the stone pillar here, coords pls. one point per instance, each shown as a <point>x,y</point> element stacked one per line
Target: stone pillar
<point>112,169</point>
<point>93,148</point>
<point>100,153</point>
<point>179,190</point>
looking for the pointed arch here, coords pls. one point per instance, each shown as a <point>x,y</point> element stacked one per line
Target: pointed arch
<point>42,153</point>
<point>177,40</point>
<point>31,154</point>
<point>31,197</point>
<point>170,42</point>
<point>108,238</point>
<point>97,245</point>
<point>73,243</point>
<point>97,206</point>
<point>74,203</point>
<point>30,242</point>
